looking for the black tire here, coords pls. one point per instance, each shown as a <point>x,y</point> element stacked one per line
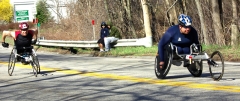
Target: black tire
<point>34,65</point>
<point>161,74</point>
<point>217,71</point>
<point>11,62</point>
<point>196,68</point>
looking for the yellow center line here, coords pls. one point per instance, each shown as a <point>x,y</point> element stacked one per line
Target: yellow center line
<point>142,80</point>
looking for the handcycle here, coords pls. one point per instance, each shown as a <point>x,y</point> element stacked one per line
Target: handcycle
<point>194,59</point>
<point>28,56</point>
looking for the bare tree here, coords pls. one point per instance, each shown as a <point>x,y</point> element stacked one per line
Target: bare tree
<point>155,12</point>
<point>217,23</point>
<point>107,10</point>
<point>202,22</point>
<point>234,28</point>
<point>127,4</point>
<point>128,17</point>
<point>171,13</point>
<point>147,23</point>
<point>56,5</point>
<point>183,4</point>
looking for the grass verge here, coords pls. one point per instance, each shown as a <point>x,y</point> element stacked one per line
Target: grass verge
<point>229,53</point>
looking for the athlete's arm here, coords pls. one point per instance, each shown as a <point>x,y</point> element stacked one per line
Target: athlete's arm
<point>8,33</point>
<point>195,37</point>
<point>35,33</point>
<point>164,40</point>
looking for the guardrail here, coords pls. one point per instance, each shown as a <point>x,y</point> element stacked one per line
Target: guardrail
<point>88,44</point>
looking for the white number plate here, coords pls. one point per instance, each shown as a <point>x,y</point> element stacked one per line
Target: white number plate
<point>187,56</point>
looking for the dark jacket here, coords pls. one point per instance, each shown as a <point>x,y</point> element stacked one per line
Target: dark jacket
<point>113,30</point>
<point>104,33</point>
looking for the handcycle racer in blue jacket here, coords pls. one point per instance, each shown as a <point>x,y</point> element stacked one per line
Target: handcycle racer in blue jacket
<point>182,36</point>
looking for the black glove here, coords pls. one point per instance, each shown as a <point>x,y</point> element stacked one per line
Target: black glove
<point>5,44</point>
<point>34,41</point>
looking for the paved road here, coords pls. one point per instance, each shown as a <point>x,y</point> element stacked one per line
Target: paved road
<point>85,78</point>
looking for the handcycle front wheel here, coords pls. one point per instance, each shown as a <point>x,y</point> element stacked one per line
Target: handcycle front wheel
<point>11,62</point>
<point>216,65</point>
<point>35,60</point>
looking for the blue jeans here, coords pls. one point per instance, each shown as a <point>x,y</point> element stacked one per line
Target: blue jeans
<point>107,41</point>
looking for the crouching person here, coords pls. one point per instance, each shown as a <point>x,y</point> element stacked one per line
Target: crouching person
<point>114,36</point>
<point>110,42</point>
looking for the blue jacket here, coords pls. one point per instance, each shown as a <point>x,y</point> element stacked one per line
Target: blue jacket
<point>174,36</point>
<point>104,33</point>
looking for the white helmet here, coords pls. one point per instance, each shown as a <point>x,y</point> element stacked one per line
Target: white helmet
<point>184,20</point>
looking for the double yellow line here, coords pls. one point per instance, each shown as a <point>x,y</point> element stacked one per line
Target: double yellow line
<point>142,80</point>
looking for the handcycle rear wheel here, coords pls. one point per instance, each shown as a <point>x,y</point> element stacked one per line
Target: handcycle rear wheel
<point>195,68</point>
<point>216,70</point>
<point>11,62</point>
<point>161,74</point>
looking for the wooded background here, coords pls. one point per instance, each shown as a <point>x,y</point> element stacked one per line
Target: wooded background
<point>217,21</point>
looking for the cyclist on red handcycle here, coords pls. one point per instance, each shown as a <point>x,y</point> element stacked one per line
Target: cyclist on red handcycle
<point>22,38</point>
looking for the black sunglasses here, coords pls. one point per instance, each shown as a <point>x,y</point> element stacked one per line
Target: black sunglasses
<point>24,29</point>
<point>187,26</point>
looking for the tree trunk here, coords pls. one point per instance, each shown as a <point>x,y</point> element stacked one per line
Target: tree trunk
<point>217,23</point>
<point>183,5</point>
<point>57,10</point>
<point>147,23</point>
<point>202,22</point>
<point>106,7</point>
<point>234,27</point>
<point>221,12</point>
<point>172,15</point>
<point>175,16</point>
<point>126,4</point>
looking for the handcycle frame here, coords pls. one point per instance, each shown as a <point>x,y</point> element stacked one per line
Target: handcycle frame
<point>28,57</point>
<point>195,59</point>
